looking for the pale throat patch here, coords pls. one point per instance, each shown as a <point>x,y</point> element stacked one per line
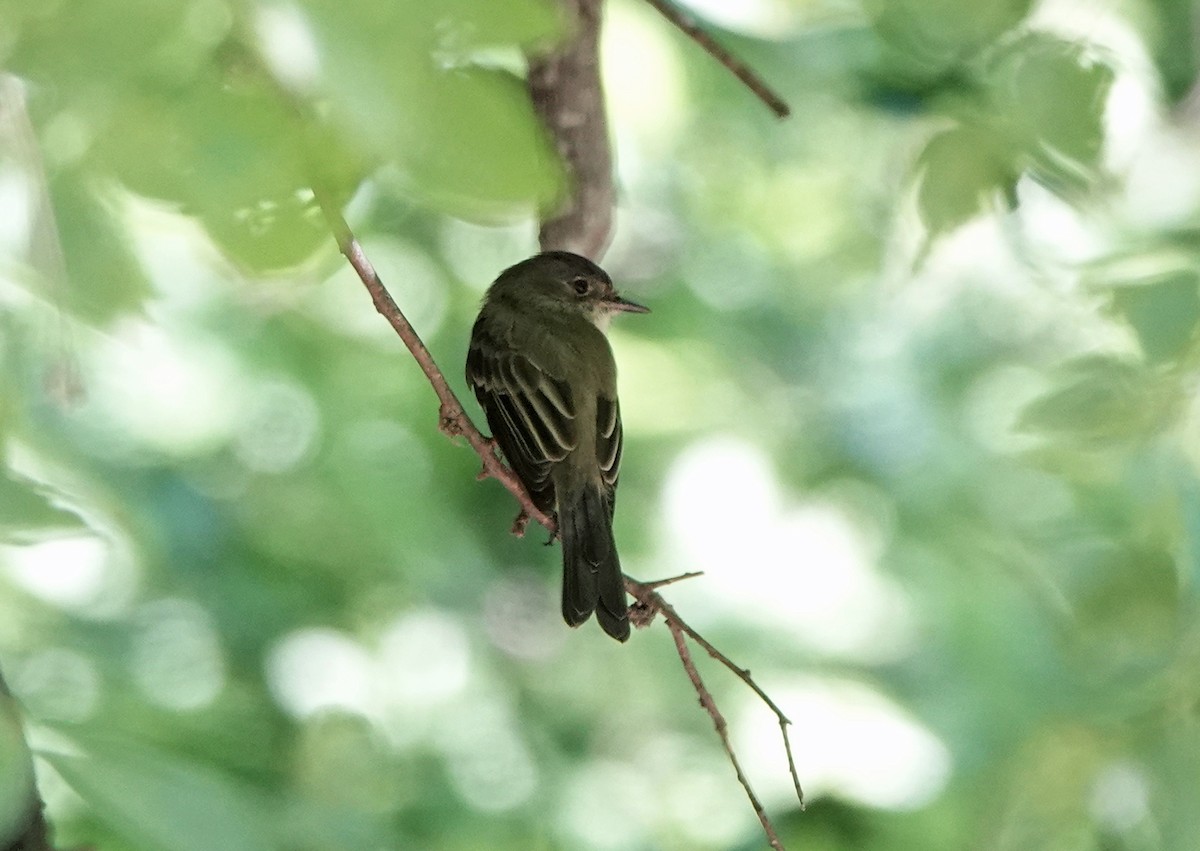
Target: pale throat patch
<point>601,319</point>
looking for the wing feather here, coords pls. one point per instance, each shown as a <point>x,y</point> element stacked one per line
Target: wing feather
<point>529,411</point>
<point>609,439</point>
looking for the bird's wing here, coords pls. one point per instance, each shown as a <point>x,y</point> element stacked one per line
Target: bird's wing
<point>609,439</point>
<point>531,412</point>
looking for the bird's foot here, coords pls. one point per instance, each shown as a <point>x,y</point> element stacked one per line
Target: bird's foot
<point>641,615</point>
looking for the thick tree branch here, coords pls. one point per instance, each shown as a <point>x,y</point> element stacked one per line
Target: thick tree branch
<point>565,88</point>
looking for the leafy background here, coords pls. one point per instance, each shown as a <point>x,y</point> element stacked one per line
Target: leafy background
<point>918,393</point>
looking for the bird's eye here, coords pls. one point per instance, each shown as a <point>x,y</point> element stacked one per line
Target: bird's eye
<point>581,285</point>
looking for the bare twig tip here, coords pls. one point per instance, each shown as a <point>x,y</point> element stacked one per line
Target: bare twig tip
<point>671,580</point>
<point>751,80</point>
<point>680,632</point>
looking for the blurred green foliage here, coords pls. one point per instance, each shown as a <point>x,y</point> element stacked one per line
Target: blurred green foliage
<point>918,393</point>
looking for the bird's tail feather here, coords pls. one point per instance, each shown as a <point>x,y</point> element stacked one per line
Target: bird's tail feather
<point>592,579</point>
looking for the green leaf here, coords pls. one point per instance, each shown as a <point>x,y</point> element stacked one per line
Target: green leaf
<point>964,171</point>
<point>26,511</point>
<point>1128,605</point>
<point>1174,46</point>
<point>162,99</point>
<point>941,33</point>
<point>465,137</point>
<point>466,25</point>
<point>1101,401</point>
<point>162,802</point>
<point>1163,313</point>
<point>104,278</point>
<point>507,168</point>
<point>170,103</point>
<point>231,150</point>
<point>1051,95</point>
<point>86,46</point>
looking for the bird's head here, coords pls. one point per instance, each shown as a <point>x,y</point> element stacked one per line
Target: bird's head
<point>559,282</point>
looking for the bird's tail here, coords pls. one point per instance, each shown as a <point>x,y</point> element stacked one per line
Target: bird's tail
<point>592,580</point>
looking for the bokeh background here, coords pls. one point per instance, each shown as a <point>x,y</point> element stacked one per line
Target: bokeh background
<point>918,394</point>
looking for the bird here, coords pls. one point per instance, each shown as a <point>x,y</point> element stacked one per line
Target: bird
<point>541,367</point>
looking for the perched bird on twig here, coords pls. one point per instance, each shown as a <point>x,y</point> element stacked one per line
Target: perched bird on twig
<point>542,369</point>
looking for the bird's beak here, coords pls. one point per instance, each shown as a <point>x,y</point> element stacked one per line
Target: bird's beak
<point>620,304</point>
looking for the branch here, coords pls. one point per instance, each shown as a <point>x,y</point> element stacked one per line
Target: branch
<point>566,92</point>
<point>671,580</point>
<point>453,419</point>
<point>710,706</point>
<point>687,24</point>
<point>564,86</point>
<point>651,602</point>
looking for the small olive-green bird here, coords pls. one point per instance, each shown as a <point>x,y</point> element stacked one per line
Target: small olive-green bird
<point>543,372</point>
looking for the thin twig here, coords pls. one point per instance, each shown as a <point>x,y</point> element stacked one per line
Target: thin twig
<point>710,706</point>
<point>453,419</point>
<point>671,580</point>
<point>687,24</point>
<point>651,600</point>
